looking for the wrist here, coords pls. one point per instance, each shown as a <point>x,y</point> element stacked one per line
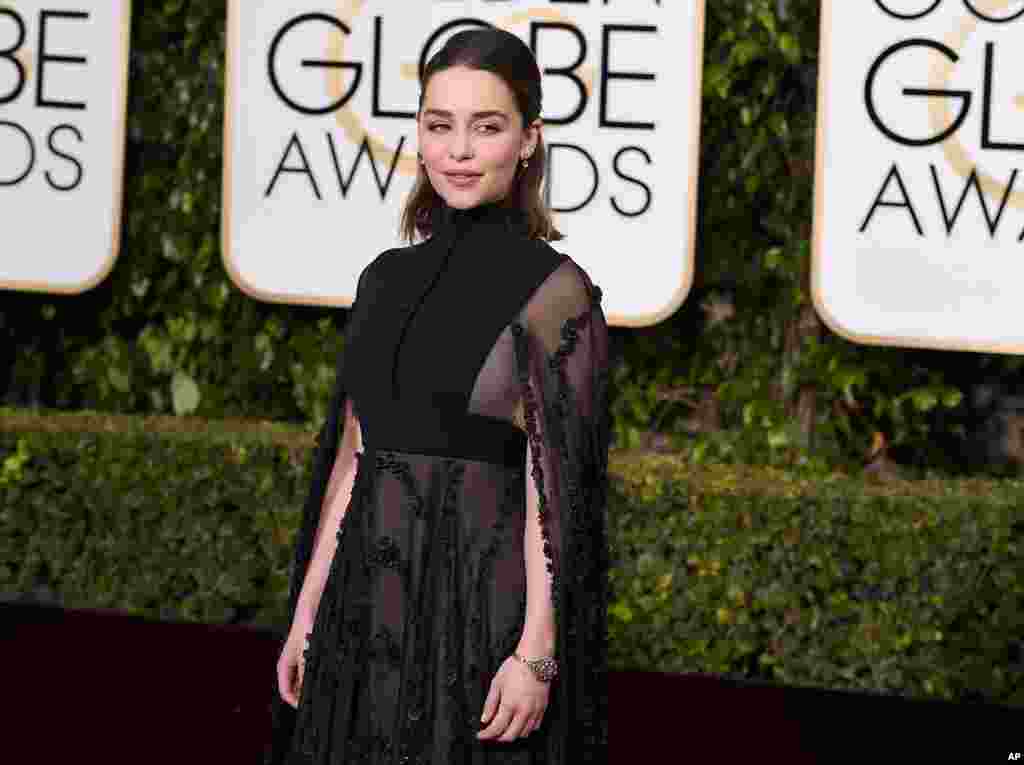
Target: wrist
<point>535,645</point>
<point>543,668</point>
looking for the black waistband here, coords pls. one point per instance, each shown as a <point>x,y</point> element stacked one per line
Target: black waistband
<point>435,433</point>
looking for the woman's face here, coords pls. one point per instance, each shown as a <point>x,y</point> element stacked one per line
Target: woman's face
<point>471,136</point>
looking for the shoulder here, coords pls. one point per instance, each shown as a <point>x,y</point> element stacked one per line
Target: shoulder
<point>565,269</point>
<point>568,282</point>
<point>393,254</point>
<point>533,258</point>
<point>385,259</point>
<point>541,248</point>
<point>527,268</point>
<point>567,292</point>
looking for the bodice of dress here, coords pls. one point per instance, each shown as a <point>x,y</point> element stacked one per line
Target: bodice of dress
<point>429,361</point>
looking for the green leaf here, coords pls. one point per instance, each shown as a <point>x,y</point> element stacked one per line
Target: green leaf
<point>790,47</point>
<point>924,400</point>
<point>621,611</point>
<point>119,379</point>
<point>184,393</point>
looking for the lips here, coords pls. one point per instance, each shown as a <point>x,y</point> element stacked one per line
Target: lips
<point>463,176</point>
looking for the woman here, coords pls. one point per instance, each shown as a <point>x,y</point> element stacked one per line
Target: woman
<point>453,569</point>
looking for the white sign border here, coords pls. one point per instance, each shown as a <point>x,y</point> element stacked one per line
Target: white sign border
<point>232,47</point>
<point>817,292</point>
<point>117,217</point>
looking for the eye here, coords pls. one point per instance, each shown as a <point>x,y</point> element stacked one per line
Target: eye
<point>492,128</point>
<point>432,127</point>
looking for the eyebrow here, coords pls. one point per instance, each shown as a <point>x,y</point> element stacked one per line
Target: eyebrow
<point>475,115</point>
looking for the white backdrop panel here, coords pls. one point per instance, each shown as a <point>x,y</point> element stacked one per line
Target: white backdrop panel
<point>913,113</point>
<point>624,191</point>
<point>63,75</point>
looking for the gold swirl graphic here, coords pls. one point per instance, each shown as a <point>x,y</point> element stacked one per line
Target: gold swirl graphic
<point>23,56</point>
<point>956,153</point>
<point>351,123</point>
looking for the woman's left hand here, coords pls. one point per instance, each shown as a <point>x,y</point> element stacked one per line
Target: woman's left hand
<point>515,702</point>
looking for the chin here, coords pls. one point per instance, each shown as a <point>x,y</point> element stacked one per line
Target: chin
<point>461,203</point>
<point>467,200</point>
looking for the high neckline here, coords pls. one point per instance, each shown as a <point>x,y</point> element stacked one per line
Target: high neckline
<point>461,220</point>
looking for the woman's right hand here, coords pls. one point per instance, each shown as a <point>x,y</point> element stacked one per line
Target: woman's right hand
<point>291,666</point>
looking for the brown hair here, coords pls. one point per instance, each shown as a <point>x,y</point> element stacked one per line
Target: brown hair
<point>501,53</point>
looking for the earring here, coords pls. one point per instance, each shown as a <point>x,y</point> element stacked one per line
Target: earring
<point>526,162</point>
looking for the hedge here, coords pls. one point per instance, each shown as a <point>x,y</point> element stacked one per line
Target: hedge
<point>757,573</point>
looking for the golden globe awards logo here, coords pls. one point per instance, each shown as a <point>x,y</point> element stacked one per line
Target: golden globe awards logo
<point>919,198</point>
<point>296,157</point>
<point>321,134</point>
<point>64,172</point>
<point>62,102</point>
<point>946,122</point>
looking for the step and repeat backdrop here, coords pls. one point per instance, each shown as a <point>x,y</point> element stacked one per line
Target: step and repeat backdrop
<point>63,87</point>
<point>919,201</point>
<point>919,219</point>
<point>320,143</point>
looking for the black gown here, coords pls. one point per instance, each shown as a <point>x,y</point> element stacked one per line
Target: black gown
<point>460,350</point>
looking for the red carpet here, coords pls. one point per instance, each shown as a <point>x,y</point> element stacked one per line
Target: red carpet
<point>97,686</point>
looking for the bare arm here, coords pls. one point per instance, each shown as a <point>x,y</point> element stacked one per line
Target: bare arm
<point>336,502</point>
<point>538,638</point>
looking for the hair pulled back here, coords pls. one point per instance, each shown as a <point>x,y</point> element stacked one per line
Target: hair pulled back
<point>502,53</point>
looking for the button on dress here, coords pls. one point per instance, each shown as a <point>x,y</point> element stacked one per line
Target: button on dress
<point>476,364</point>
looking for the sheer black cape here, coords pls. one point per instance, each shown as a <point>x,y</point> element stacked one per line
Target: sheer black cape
<point>562,365</point>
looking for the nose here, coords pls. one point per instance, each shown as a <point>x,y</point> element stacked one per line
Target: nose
<point>461,145</point>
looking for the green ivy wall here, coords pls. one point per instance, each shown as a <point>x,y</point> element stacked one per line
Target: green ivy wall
<point>743,372</point>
